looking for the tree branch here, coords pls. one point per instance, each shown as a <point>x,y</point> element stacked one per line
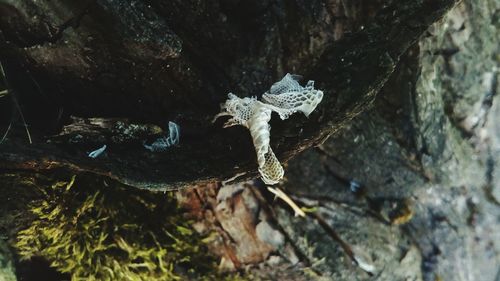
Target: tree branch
<point>350,71</point>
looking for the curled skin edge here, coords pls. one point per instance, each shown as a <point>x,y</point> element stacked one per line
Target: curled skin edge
<point>96,153</point>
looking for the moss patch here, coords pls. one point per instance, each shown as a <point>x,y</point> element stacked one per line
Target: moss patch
<point>94,230</point>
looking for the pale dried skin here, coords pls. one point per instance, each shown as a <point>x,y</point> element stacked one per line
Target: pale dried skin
<point>96,153</point>
<point>271,171</point>
<point>289,97</point>
<point>285,97</point>
<point>163,143</point>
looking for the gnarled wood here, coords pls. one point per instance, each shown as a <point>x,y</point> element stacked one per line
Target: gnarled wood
<point>159,61</point>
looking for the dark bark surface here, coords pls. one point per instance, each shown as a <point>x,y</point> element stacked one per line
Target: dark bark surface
<point>408,179</point>
<point>425,205</point>
<point>151,62</point>
<point>427,151</point>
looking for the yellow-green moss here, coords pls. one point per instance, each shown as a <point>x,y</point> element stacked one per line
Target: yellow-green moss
<point>114,233</point>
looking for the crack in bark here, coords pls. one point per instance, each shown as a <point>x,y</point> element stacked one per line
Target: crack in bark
<point>489,187</point>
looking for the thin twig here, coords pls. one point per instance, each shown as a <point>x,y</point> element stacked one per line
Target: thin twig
<point>3,75</point>
<point>4,93</point>
<point>22,119</point>
<point>225,182</point>
<point>355,255</point>
<point>2,71</point>
<point>6,133</point>
<point>282,195</point>
<point>357,258</point>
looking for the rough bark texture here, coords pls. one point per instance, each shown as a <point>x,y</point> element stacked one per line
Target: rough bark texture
<point>408,180</point>
<point>177,61</point>
<point>432,142</point>
<point>425,159</point>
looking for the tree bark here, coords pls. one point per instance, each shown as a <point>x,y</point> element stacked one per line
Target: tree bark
<point>426,160</point>
<point>401,170</point>
<point>171,62</point>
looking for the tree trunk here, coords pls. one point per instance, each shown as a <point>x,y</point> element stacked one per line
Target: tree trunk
<point>398,164</point>
<point>177,62</point>
<point>429,150</point>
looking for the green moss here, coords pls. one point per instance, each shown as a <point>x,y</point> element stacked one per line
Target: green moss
<point>114,233</point>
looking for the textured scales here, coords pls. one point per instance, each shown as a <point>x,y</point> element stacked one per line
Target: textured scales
<point>289,97</point>
<point>254,115</point>
<point>271,171</point>
<point>285,98</point>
